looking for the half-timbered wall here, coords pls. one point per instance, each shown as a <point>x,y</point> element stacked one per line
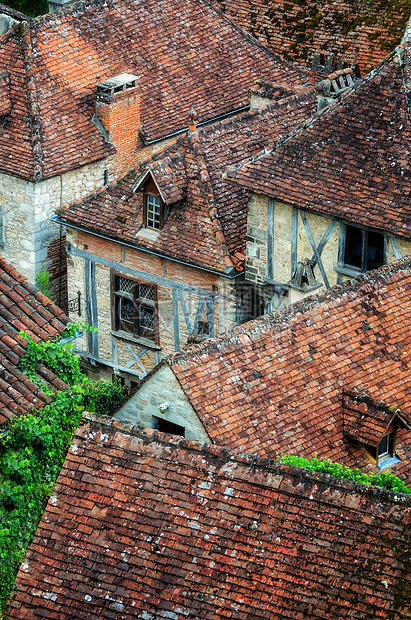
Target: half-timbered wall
<point>186,296</point>
<point>280,235</point>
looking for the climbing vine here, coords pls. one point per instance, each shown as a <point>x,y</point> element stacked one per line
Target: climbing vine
<point>33,448</point>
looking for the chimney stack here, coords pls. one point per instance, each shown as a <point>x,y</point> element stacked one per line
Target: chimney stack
<point>117,116</point>
<point>333,85</point>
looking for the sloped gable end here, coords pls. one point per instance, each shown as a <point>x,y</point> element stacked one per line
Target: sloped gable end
<point>161,403</point>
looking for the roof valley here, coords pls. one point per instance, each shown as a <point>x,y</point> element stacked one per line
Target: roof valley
<point>33,106</point>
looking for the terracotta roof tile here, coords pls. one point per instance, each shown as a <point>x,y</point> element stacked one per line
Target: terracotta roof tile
<point>23,307</point>
<point>348,31</point>
<point>352,161</point>
<point>152,526</point>
<point>207,225</point>
<point>276,385</point>
<point>181,52</point>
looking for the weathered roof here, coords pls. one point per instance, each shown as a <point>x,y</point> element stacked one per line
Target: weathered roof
<point>276,384</point>
<point>183,53</point>
<point>24,308</point>
<point>143,525</point>
<point>349,31</point>
<point>207,222</point>
<point>366,420</point>
<point>352,162</point>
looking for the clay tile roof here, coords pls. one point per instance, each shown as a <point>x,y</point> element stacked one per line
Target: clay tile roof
<point>170,177</point>
<point>181,51</point>
<point>366,420</point>
<point>23,307</point>
<point>353,161</point>
<point>344,31</point>
<point>276,384</point>
<point>143,525</point>
<point>208,228</point>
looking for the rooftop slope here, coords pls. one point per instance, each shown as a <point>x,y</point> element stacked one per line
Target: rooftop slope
<point>182,52</point>
<point>23,307</point>
<point>141,525</point>
<point>189,176</point>
<point>279,381</point>
<point>354,31</point>
<point>352,162</point>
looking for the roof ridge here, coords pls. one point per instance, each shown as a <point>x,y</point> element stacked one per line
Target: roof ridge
<point>32,104</point>
<point>278,316</point>
<point>273,466</point>
<point>209,198</point>
<point>329,109</point>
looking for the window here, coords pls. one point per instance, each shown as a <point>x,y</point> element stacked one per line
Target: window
<point>364,250</point>
<point>203,328</point>
<point>135,310</point>
<point>386,448</point>
<point>164,426</point>
<point>153,217</point>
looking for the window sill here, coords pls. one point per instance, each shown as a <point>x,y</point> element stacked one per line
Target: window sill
<point>383,464</point>
<point>351,272</point>
<point>142,341</point>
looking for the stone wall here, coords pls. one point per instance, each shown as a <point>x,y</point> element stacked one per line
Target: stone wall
<point>163,387</point>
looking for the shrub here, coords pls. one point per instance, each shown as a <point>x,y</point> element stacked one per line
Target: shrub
<point>102,396</point>
<point>386,480</point>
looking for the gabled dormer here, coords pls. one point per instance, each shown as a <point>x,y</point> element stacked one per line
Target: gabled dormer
<point>372,426</point>
<point>163,185</point>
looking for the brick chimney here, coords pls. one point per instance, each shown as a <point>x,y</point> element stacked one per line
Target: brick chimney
<point>333,85</point>
<point>118,117</point>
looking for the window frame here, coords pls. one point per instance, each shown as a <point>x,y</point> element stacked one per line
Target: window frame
<point>351,269</point>
<point>147,197</point>
<point>133,327</point>
<point>390,452</point>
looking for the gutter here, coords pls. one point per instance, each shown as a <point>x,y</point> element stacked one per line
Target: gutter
<point>209,121</point>
<point>57,219</point>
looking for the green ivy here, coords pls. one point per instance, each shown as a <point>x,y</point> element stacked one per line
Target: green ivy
<point>386,480</point>
<point>43,282</point>
<point>34,447</point>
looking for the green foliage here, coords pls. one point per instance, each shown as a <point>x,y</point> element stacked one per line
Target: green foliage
<point>43,282</point>
<point>385,480</point>
<point>56,356</point>
<point>35,446</point>
<point>31,455</point>
<point>32,8</point>
<point>102,397</point>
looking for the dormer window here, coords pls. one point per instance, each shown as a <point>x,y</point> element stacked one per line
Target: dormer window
<point>386,449</point>
<point>153,211</point>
